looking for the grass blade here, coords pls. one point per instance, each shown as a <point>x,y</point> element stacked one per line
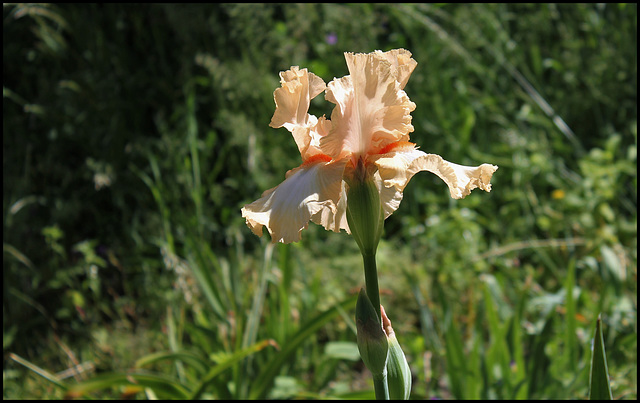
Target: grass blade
<point>521,379</point>
<point>43,373</point>
<point>196,361</point>
<point>570,334</point>
<point>230,361</point>
<point>261,385</point>
<point>429,331</point>
<point>498,355</point>
<point>599,388</point>
<point>456,363</point>
<point>204,266</point>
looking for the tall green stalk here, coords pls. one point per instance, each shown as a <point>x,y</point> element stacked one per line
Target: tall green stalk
<point>371,281</point>
<point>366,221</point>
<point>371,286</point>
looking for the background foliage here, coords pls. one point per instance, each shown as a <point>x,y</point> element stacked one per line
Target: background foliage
<point>133,135</point>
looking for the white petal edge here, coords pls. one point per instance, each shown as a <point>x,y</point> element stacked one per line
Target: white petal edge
<point>308,190</point>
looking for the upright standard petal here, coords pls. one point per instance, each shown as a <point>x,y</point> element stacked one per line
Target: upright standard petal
<point>308,190</point>
<point>371,109</point>
<point>401,60</point>
<point>402,160</point>
<point>298,88</point>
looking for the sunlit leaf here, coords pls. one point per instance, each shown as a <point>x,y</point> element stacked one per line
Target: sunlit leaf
<point>343,350</point>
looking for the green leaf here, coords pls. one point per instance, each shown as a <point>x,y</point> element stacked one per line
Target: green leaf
<point>198,363</point>
<point>612,263</point>
<point>204,264</point>
<point>42,372</point>
<point>571,350</point>
<point>497,355</point>
<point>261,385</point>
<point>342,350</point>
<point>599,388</point>
<point>456,363</point>
<point>228,362</point>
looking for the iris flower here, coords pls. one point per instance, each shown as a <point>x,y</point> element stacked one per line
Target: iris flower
<point>367,135</point>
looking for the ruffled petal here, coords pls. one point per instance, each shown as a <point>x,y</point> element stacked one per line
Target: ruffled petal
<point>371,109</point>
<point>286,209</point>
<point>334,220</point>
<point>399,165</point>
<point>308,137</point>
<point>390,197</point>
<point>298,88</point>
<point>401,60</point>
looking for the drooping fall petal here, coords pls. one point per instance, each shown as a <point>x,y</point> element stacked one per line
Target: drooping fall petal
<point>334,220</point>
<point>399,165</point>
<point>308,190</point>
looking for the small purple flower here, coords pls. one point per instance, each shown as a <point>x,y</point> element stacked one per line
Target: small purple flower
<point>331,38</point>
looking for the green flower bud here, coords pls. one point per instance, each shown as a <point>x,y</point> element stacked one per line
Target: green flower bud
<point>398,372</point>
<point>372,342</point>
<point>364,210</point>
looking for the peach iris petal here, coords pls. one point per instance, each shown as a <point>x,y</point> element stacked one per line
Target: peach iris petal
<point>298,88</point>
<point>308,190</point>
<point>334,220</point>
<point>397,167</point>
<point>390,197</point>
<point>401,60</point>
<point>371,109</point>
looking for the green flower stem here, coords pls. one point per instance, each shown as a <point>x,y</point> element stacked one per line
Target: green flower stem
<point>371,286</point>
<point>371,282</point>
<point>365,216</point>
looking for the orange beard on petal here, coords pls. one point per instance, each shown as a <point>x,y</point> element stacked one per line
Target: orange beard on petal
<point>396,146</point>
<point>316,158</point>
